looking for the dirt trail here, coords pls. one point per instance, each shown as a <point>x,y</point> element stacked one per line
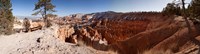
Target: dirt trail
<point>41,42</point>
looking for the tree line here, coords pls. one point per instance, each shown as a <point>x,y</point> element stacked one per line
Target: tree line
<point>175,8</point>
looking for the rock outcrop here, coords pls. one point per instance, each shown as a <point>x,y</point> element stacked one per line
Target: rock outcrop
<point>65,33</point>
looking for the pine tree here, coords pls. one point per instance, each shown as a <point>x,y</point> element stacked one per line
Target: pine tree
<point>6,17</point>
<point>194,9</point>
<point>172,9</point>
<point>44,7</point>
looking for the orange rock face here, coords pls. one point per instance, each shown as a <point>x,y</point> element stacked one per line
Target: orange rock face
<point>65,32</point>
<point>62,34</point>
<point>36,24</point>
<point>133,33</point>
<point>151,31</point>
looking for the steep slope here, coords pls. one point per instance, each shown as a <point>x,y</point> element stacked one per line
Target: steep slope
<point>132,33</point>
<point>135,32</point>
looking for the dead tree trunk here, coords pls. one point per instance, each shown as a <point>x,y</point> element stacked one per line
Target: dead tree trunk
<point>191,38</point>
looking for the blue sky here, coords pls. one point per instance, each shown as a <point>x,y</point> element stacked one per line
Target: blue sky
<point>66,7</point>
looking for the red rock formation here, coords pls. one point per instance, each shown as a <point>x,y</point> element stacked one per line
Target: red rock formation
<point>134,36</point>
<point>65,33</point>
<point>145,40</point>
<point>133,33</point>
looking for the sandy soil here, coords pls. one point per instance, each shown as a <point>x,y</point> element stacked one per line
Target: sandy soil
<point>41,42</point>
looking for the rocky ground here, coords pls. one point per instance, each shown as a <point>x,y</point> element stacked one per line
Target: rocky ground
<point>41,42</point>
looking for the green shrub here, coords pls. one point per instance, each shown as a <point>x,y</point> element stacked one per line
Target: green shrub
<point>6,17</point>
